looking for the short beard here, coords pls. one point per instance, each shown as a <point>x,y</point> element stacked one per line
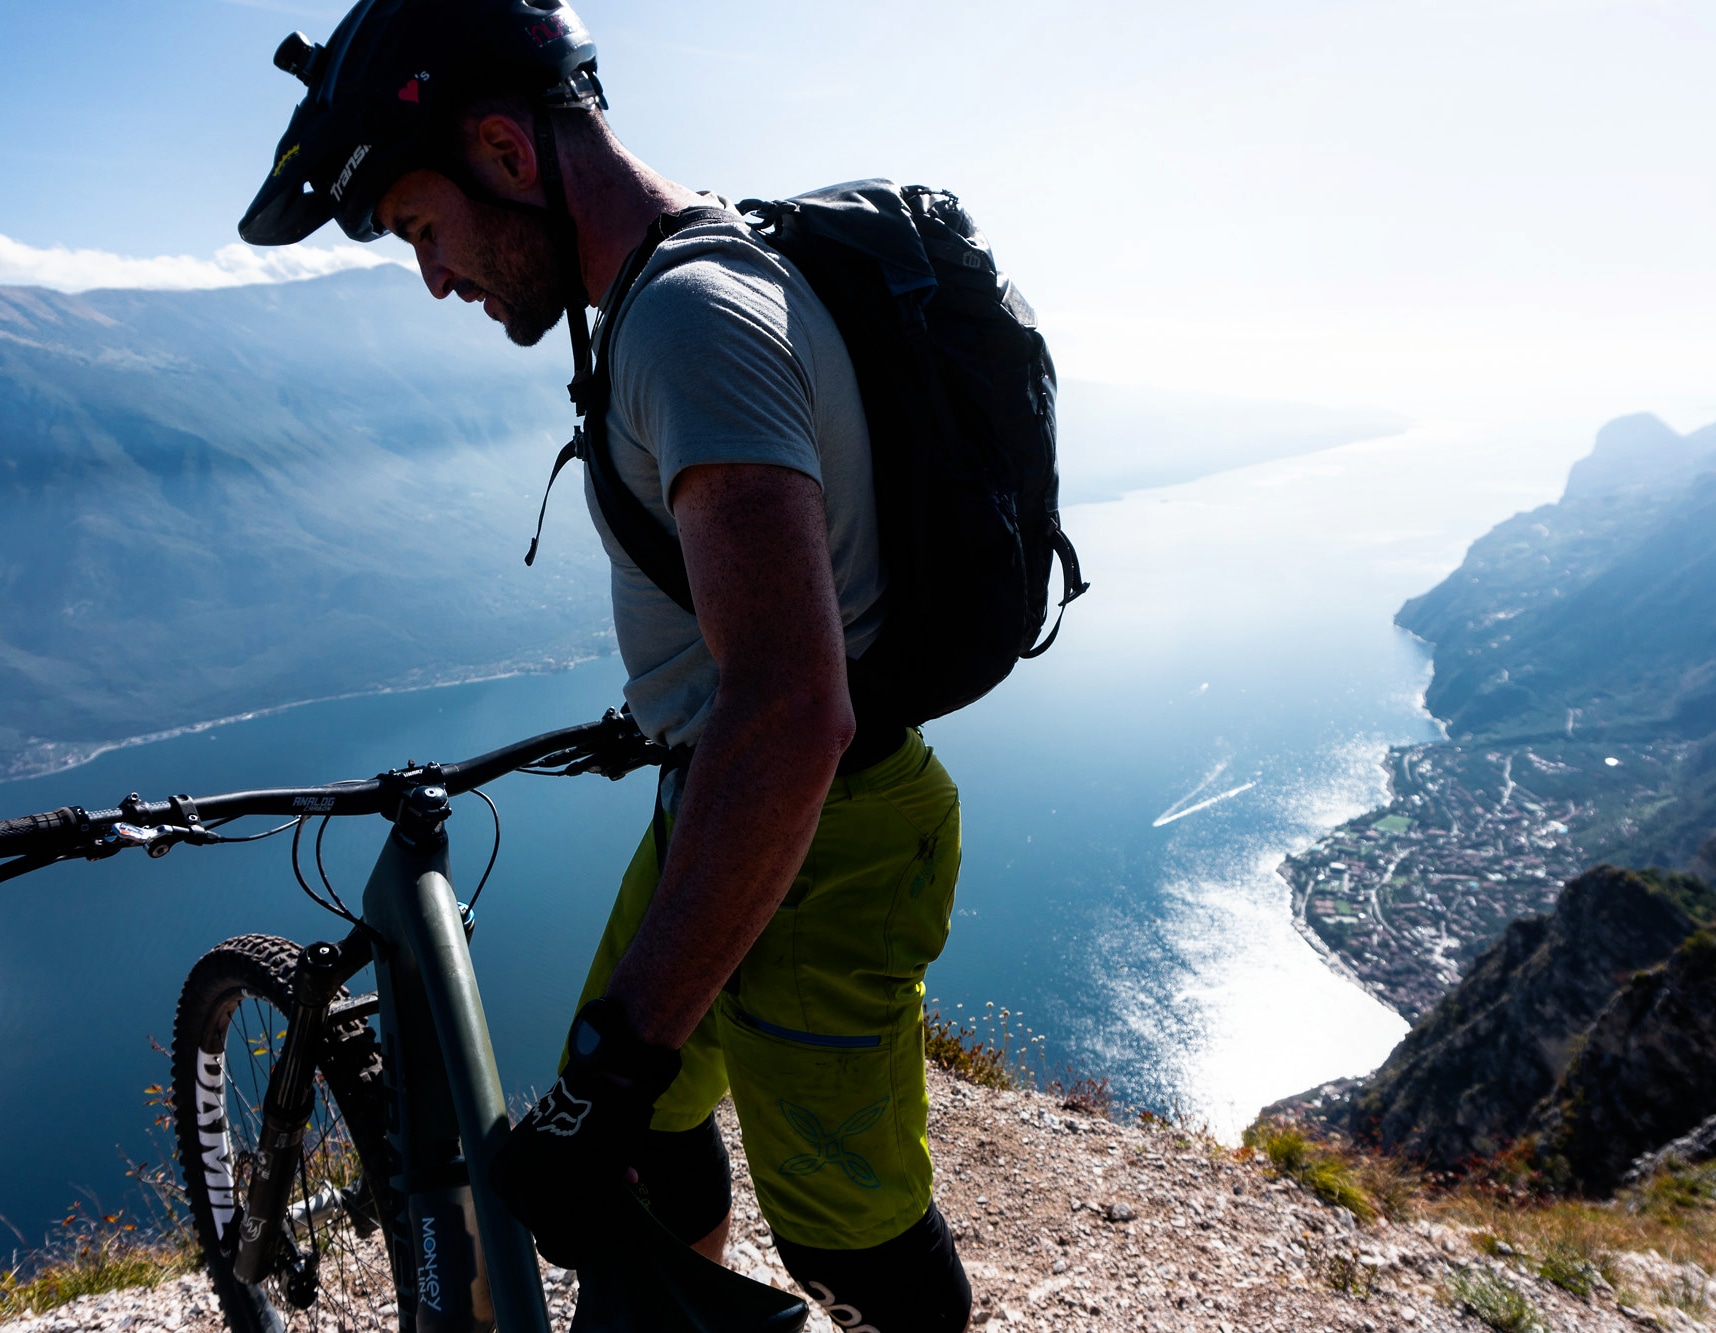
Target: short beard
<point>521,268</point>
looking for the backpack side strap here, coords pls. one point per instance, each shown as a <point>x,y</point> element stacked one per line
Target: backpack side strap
<point>654,550</point>
<point>1073,586</point>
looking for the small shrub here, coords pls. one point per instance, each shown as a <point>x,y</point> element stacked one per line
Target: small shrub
<point>1519,1172</point>
<point>1391,1184</point>
<point>1676,1190</point>
<point>1321,1168</point>
<point>1497,1303</point>
<point>1346,1274</point>
<point>1568,1269</point>
<point>977,1058</point>
<point>1086,1095</point>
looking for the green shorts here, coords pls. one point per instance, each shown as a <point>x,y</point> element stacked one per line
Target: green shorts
<point>820,1033</point>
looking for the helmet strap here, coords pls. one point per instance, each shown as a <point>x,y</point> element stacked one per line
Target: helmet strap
<point>563,231</point>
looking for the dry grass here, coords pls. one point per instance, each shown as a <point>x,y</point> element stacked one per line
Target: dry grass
<point>986,1051</point>
<point>1499,1304</point>
<point>1571,1241</point>
<point>94,1253</point>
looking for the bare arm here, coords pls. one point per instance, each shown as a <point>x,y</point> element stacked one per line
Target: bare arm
<point>756,549</point>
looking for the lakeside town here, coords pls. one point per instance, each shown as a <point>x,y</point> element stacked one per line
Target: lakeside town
<point>1404,896</point>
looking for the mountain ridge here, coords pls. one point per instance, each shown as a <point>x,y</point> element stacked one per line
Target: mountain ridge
<point>239,499</point>
<point>1584,615</point>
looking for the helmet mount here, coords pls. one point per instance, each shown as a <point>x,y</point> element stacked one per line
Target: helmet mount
<point>297,57</point>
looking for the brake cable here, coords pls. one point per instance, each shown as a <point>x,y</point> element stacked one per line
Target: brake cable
<point>494,851</point>
<point>339,910</point>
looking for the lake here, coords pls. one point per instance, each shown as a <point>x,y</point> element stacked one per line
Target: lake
<point>1221,698</point>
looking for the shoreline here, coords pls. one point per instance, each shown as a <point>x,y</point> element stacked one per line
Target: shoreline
<point>1473,835</point>
<point>43,758</point>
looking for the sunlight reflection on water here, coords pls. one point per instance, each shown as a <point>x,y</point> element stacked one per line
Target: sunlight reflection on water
<point>1238,645</point>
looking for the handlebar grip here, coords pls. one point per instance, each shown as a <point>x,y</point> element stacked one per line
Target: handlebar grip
<point>53,832</point>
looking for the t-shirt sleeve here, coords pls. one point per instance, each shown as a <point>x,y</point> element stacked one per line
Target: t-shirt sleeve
<point>706,371</point>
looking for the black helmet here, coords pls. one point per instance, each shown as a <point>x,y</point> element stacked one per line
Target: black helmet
<point>383,92</point>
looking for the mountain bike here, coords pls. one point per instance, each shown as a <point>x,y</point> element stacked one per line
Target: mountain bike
<point>335,1146</point>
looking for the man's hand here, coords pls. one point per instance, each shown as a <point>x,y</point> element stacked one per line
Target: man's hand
<point>572,1149</point>
<point>756,549</point>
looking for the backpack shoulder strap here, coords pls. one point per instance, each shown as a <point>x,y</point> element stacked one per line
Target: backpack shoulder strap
<point>650,546</point>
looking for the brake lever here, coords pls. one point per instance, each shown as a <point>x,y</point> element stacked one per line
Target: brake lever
<point>156,839</point>
<point>615,766</point>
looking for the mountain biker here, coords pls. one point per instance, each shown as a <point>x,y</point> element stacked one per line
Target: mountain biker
<point>771,933</point>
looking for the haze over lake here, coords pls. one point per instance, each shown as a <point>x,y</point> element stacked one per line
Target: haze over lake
<point>1220,698</point>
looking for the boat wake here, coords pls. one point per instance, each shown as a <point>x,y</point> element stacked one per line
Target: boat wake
<point>1189,803</point>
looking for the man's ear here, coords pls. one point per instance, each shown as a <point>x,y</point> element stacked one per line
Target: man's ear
<point>502,155</point>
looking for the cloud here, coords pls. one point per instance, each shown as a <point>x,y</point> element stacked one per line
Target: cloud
<point>232,266</point>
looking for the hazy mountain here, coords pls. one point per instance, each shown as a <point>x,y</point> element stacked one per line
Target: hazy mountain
<point>1593,618</point>
<point>1594,613</point>
<point>1118,437</point>
<point>1638,454</point>
<point>225,500</point>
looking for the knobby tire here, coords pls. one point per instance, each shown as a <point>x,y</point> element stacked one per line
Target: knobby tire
<point>230,1025</point>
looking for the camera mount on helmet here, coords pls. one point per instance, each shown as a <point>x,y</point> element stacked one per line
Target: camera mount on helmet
<point>297,57</point>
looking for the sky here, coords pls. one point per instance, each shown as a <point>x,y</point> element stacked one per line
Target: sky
<point>1439,207</point>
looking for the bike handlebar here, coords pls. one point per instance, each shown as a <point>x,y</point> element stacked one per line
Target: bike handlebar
<point>612,746</point>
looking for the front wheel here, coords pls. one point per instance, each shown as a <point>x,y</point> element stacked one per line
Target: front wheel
<point>334,1268</point>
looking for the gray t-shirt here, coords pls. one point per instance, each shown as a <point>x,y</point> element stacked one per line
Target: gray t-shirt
<point>723,354</point>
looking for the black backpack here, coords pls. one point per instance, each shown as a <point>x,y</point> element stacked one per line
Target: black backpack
<point>959,394</point>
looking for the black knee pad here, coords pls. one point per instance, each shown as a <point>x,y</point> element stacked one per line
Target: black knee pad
<point>913,1283</point>
<point>686,1180</point>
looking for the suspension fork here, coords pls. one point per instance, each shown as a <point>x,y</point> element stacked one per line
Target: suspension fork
<point>291,1099</point>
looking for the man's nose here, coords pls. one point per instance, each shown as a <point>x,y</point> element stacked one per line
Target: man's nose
<point>437,277</point>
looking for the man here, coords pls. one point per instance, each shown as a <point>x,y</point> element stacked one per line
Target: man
<point>771,933</point>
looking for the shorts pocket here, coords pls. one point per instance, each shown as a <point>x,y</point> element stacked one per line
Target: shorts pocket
<point>834,1128</point>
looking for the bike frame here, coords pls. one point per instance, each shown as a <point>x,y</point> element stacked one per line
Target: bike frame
<point>447,1115</point>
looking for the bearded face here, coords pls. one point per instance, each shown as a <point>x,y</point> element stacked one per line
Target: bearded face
<point>514,266</point>
<point>481,252</point>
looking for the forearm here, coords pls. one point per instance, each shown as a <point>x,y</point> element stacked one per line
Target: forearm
<point>757,556</point>
<point>748,813</point>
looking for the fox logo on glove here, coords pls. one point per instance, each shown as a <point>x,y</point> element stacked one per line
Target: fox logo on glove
<point>566,1121</point>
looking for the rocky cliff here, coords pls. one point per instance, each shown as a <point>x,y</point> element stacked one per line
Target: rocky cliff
<point>1643,1074</point>
<point>1464,1082</point>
